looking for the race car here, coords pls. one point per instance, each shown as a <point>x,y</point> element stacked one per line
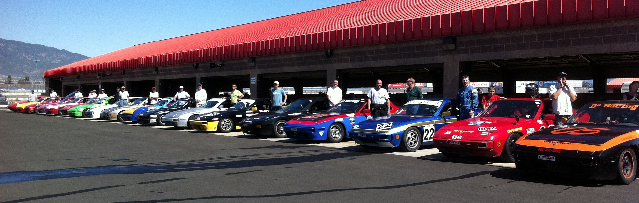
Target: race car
<point>42,109</point>
<point>335,123</point>
<point>54,109</point>
<point>79,111</point>
<point>599,142</point>
<point>129,115</point>
<point>227,121</point>
<point>96,111</point>
<point>408,128</point>
<point>180,119</point>
<point>154,116</point>
<point>32,107</point>
<point>19,107</point>
<point>133,103</point>
<point>272,123</point>
<point>494,132</point>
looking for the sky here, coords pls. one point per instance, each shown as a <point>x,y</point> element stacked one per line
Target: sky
<point>96,27</point>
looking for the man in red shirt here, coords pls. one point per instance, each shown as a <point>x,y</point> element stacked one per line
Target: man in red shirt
<point>489,98</point>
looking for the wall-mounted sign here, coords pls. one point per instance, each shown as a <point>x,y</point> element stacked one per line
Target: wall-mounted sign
<point>253,80</point>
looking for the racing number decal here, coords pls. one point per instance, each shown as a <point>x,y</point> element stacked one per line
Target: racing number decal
<point>429,132</point>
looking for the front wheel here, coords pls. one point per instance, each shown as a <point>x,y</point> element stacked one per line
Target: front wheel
<point>225,125</point>
<point>335,133</point>
<point>509,145</point>
<point>411,140</point>
<point>626,167</point>
<point>278,129</point>
<point>159,120</point>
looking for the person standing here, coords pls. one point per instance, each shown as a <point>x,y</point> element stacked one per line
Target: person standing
<point>278,97</point>
<point>236,95</point>
<point>124,96</point>
<point>181,94</point>
<point>467,100</point>
<point>562,96</point>
<point>632,91</point>
<point>378,100</point>
<point>92,94</point>
<point>334,93</point>
<point>489,98</point>
<point>33,96</point>
<point>200,95</point>
<point>53,94</point>
<point>412,92</point>
<point>102,94</point>
<point>153,96</point>
<point>78,94</point>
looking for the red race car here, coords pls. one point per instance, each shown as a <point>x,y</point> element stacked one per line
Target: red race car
<point>493,133</point>
<point>32,107</point>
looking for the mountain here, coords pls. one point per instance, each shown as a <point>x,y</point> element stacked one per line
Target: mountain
<point>18,59</point>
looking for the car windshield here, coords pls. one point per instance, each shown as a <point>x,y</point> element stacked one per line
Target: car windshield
<point>240,105</point>
<point>420,108</point>
<point>91,101</point>
<point>178,103</point>
<point>162,102</point>
<point>139,101</point>
<point>50,99</point>
<point>512,108</point>
<point>65,100</point>
<point>209,104</point>
<point>298,105</point>
<point>41,99</point>
<point>347,106</point>
<point>607,113</point>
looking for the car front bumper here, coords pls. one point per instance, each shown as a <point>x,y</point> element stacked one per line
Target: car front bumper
<point>589,167</point>
<point>485,148</point>
<point>376,140</point>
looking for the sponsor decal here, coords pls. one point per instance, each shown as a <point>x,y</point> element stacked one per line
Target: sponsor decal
<point>384,126</point>
<point>546,158</point>
<point>447,132</point>
<point>499,144</point>
<point>478,123</point>
<point>429,132</point>
<point>530,130</point>
<point>578,131</point>
<point>339,119</point>
<point>351,115</point>
<point>615,106</point>
<point>540,121</point>
<point>463,131</point>
<point>485,133</point>
<point>541,149</point>
<point>489,128</point>
<point>514,130</point>
<point>456,137</point>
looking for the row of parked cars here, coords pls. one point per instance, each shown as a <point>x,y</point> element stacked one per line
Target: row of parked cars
<point>599,141</point>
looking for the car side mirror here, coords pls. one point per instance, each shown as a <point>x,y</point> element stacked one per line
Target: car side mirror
<point>549,117</point>
<point>366,111</point>
<point>254,109</point>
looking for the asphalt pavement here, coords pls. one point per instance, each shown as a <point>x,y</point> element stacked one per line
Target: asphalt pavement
<point>61,159</point>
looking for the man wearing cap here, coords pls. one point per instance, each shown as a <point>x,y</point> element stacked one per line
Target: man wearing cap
<point>102,94</point>
<point>562,96</point>
<point>154,95</point>
<point>78,94</point>
<point>276,95</point>
<point>181,94</point>
<point>236,95</point>
<point>124,96</point>
<point>33,96</point>
<point>92,94</point>
<point>200,95</point>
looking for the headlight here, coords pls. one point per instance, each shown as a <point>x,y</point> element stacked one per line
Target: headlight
<point>356,126</point>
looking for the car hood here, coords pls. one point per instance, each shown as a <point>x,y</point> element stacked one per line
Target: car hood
<point>198,110</point>
<point>270,115</point>
<point>581,137</point>
<point>318,118</point>
<point>392,121</point>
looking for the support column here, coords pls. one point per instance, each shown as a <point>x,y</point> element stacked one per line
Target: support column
<point>198,79</point>
<point>331,75</point>
<point>451,76</point>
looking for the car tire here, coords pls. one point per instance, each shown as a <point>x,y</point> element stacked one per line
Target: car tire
<point>159,120</point>
<point>411,140</point>
<point>225,125</point>
<point>336,133</point>
<point>278,129</point>
<point>509,145</point>
<point>626,166</point>
<point>188,121</point>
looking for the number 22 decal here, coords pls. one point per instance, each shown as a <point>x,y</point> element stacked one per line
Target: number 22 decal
<point>429,132</point>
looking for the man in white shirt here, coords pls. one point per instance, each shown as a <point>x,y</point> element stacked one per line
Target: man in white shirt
<point>154,95</point>
<point>92,94</point>
<point>33,96</point>
<point>378,101</point>
<point>53,94</point>
<point>181,94</point>
<point>334,93</point>
<point>78,94</point>
<point>102,94</point>
<point>124,96</point>
<point>562,96</point>
<point>200,95</point>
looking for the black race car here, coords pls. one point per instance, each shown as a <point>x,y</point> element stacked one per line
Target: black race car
<point>226,121</point>
<point>155,115</point>
<point>600,141</point>
<point>272,123</point>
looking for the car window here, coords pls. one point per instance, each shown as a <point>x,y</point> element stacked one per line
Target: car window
<point>347,106</point>
<point>420,108</point>
<point>298,105</point>
<point>512,108</point>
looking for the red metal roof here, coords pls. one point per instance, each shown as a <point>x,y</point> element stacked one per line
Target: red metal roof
<point>354,24</point>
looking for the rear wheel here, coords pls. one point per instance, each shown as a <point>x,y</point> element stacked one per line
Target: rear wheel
<point>411,140</point>
<point>159,120</point>
<point>225,125</point>
<point>278,129</point>
<point>626,167</point>
<point>509,145</point>
<point>335,133</point>
<point>188,122</point>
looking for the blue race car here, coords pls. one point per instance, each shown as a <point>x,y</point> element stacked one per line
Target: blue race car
<point>408,128</point>
<point>129,115</point>
<point>331,125</point>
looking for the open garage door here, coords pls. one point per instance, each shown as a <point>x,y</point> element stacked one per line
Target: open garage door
<point>221,86</point>
<point>168,87</point>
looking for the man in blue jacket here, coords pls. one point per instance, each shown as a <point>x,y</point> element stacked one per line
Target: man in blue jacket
<point>466,101</point>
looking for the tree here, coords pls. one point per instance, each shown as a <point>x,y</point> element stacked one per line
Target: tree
<point>9,79</point>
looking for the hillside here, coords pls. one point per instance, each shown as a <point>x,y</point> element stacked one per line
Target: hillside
<point>18,59</point>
